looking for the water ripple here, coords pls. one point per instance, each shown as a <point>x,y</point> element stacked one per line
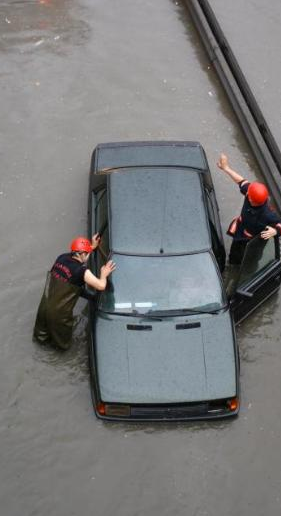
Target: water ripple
<point>37,25</point>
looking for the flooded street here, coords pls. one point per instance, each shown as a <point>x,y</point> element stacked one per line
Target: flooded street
<point>253,31</point>
<point>75,73</point>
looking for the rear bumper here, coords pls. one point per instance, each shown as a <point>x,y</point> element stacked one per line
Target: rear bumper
<point>173,412</point>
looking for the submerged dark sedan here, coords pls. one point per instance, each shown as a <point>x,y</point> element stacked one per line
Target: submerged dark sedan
<point>162,341</point>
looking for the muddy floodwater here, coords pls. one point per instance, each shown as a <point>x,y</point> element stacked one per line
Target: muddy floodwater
<point>75,73</point>
<point>253,31</point>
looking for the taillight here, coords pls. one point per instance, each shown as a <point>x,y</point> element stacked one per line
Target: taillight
<point>101,409</point>
<point>106,409</point>
<point>233,404</point>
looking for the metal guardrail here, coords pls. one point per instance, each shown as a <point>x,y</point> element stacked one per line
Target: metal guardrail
<point>250,117</point>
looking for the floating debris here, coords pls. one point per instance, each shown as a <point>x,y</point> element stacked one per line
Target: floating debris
<point>7,21</point>
<point>39,42</point>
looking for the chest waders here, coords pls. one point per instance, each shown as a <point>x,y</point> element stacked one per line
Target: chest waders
<point>54,320</point>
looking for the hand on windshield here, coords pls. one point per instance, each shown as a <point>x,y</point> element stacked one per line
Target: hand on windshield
<point>107,269</point>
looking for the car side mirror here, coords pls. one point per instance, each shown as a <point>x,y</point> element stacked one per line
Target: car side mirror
<point>244,293</point>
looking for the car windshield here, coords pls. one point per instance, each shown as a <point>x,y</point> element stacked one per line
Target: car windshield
<point>147,284</point>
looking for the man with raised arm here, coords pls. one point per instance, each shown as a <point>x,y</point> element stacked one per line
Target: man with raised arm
<point>257,217</point>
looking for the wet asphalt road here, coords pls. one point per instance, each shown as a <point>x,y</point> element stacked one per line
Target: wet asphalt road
<point>73,74</point>
<point>253,31</point>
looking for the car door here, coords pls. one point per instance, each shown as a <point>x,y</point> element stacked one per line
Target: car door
<point>258,278</point>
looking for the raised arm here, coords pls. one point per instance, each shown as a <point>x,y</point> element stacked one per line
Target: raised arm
<point>224,165</point>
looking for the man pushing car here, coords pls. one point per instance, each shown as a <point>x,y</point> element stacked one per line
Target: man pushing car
<point>63,287</point>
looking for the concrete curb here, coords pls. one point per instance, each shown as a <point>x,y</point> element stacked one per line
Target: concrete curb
<point>239,93</point>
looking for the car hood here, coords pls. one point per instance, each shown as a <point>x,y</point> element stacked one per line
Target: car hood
<point>175,360</point>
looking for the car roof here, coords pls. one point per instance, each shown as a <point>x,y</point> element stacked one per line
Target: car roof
<point>157,210</point>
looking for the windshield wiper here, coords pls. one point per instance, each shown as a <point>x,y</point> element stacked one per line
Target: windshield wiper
<point>157,315</point>
<point>135,313</point>
<point>184,311</point>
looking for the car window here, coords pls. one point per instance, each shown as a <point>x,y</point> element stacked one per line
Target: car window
<point>101,210</point>
<point>163,283</point>
<point>217,246</point>
<point>101,226</point>
<point>259,255</point>
<point>210,207</point>
<point>103,250</point>
<point>218,249</point>
<point>213,209</point>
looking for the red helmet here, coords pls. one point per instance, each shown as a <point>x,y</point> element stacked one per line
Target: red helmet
<point>257,193</point>
<point>81,245</point>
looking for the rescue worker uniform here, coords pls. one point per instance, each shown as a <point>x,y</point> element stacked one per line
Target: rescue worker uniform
<point>64,285</point>
<point>252,221</point>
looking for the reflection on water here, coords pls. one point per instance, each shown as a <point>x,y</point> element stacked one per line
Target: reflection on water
<point>33,25</point>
